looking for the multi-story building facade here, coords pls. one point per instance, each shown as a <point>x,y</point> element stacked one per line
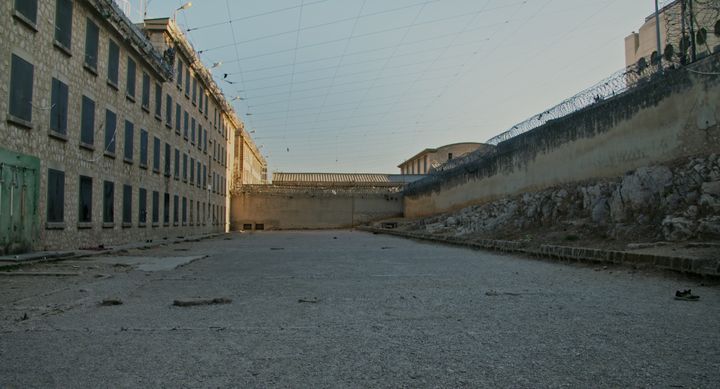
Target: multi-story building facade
<point>111,133</point>
<point>249,167</point>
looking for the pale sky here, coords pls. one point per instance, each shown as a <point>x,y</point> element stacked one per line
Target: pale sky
<point>362,85</point>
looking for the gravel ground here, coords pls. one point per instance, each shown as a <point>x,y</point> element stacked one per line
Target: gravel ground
<point>352,309</point>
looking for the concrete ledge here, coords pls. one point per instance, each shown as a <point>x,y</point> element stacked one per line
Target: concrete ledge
<point>693,266</point>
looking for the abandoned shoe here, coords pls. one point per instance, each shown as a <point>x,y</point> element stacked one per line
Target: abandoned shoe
<point>686,295</point>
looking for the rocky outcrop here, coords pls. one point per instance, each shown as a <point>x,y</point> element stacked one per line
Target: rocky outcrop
<point>675,203</point>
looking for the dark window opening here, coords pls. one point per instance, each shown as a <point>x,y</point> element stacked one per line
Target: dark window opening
<point>143,148</point>
<point>21,89</point>
<point>247,226</point>
<point>258,226</point>
<point>56,196</point>
<point>63,23</point>
<point>177,164</point>
<point>130,87</point>
<point>155,207</point>
<point>127,205</point>
<point>176,209</point>
<point>92,34</point>
<point>145,92</point>
<point>27,9</point>
<point>167,159</point>
<point>108,202</point>
<point>156,155</point>
<point>178,117</point>
<point>168,110</point>
<point>158,100</point>
<point>85,197</point>
<point>142,206</point>
<point>110,129</point>
<point>59,107</point>
<point>113,63</point>
<point>166,208</point>
<point>184,167</point>
<point>87,121</point>
<point>186,124</point>
<point>129,135</point>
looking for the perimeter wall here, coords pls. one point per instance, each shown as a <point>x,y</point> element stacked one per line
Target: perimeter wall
<point>268,207</point>
<point>673,116</point>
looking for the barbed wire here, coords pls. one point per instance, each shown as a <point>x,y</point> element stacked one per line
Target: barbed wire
<point>677,52</point>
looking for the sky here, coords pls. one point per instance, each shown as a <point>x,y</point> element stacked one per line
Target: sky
<point>362,85</point>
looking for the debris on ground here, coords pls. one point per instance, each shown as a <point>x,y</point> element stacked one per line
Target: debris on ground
<point>686,295</point>
<point>195,302</point>
<point>111,302</point>
<point>277,248</point>
<point>314,300</point>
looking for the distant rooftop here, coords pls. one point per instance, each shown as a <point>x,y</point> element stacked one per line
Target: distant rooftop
<point>343,179</point>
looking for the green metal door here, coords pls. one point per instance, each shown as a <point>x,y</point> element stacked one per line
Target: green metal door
<point>19,190</point>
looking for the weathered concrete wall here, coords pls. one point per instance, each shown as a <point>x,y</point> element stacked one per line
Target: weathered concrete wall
<point>310,208</point>
<point>666,119</point>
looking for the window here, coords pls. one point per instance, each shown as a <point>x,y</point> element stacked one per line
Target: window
<point>166,208</point>
<point>59,107</point>
<point>85,197</point>
<point>176,208</point>
<point>156,155</point>
<point>127,205</point>
<point>108,202</point>
<point>167,159</point>
<point>192,130</point>
<point>199,136</point>
<point>178,117</point>
<point>192,171</point>
<point>113,63</point>
<point>55,196</point>
<point>143,148</point>
<point>155,207</point>
<point>186,124</point>
<point>130,87</point>
<point>201,93</point>
<point>21,90</point>
<point>187,81</point>
<point>142,206</point>
<point>92,33</point>
<point>177,164</point>
<point>206,106</point>
<point>204,176</point>
<point>449,156</point>
<point>198,173</point>
<point>194,90</point>
<point>27,10</point>
<point>145,104</point>
<point>184,210</point>
<point>168,111</point>
<point>87,122</point>
<point>128,149</point>
<point>63,23</point>
<point>191,212</point>
<point>110,129</point>
<point>205,141</point>
<point>158,101</point>
<point>184,169</point>
<point>179,74</point>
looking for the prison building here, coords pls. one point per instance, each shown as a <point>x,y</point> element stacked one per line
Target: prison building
<point>112,132</point>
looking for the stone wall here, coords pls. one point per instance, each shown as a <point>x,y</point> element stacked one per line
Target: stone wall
<point>670,117</point>
<point>674,202</point>
<point>311,208</point>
